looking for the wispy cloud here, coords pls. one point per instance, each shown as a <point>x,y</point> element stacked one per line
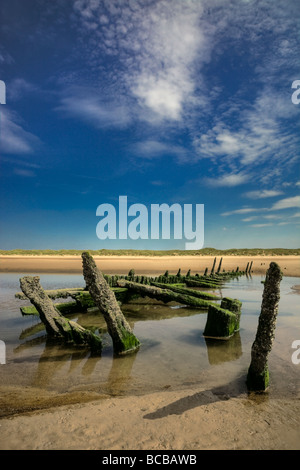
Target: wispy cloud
<point>19,87</point>
<point>286,203</point>
<point>14,138</point>
<point>227,180</point>
<point>24,172</point>
<point>261,225</point>
<point>149,149</point>
<point>243,210</point>
<point>264,213</point>
<point>5,57</point>
<point>260,216</point>
<point>262,193</point>
<point>261,136</point>
<point>85,104</point>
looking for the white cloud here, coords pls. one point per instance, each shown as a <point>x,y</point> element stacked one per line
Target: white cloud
<point>14,139</point>
<point>24,172</point>
<point>158,45</point>
<point>161,96</point>
<point>165,82</point>
<point>268,217</point>
<point>5,57</point>
<point>260,137</point>
<point>18,87</point>
<point>262,193</point>
<point>149,149</point>
<point>87,105</point>
<point>260,225</point>
<point>271,216</point>
<point>229,180</point>
<point>244,210</point>
<point>286,203</point>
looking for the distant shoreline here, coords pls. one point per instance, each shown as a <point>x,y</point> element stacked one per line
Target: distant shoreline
<point>121,264</point>
<point>158,253</point>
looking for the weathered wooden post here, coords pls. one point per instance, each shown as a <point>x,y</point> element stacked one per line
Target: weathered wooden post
<point>247,267</point>
<point>234,306</point>
<point>250,267</point>
<point>258,373</point>
<point>219,267</point>
<point>213,267</point>
<point>205,272</point>
<point>122,336</point>
<point>131,274</point>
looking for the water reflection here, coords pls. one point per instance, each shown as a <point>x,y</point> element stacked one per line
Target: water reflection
<point>53,359</point>
<point>219,351</point>
<point>120,374</point>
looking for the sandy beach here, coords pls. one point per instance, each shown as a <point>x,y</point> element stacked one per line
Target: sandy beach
<point>290,265</point>
<point>188,419</point>
<point>192,419</point>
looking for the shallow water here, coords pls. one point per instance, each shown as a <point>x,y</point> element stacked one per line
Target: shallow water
<point>173,353</point>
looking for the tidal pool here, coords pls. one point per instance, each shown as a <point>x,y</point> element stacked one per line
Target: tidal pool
<point>174,354</point>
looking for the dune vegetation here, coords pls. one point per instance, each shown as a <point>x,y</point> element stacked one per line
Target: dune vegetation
<point>202,252</point>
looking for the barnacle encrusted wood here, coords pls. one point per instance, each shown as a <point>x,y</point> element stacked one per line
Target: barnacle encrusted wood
<point>55,323</point>
<point>258,372</point>
<point>119,329</point>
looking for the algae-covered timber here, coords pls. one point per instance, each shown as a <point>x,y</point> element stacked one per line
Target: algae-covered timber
<point>124,340</point>
<point>187,291</point>
<point>64,309</point>
<point>223,321</point>
<point>56,293</point>
<point>258,372</point>
<point>56,324</point>
<point>83,300</point>
<point>234,306</point>
<point>220,324</point>
<point>207,284</point>
<point>165,295</point>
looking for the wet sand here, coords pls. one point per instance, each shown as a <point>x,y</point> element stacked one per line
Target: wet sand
<point>290,265</point>
<point>189,419</point>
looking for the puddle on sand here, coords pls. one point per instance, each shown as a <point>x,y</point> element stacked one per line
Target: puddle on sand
<point>173,353</point>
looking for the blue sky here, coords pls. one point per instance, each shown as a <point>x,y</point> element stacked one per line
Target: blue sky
<point>171,101</point>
